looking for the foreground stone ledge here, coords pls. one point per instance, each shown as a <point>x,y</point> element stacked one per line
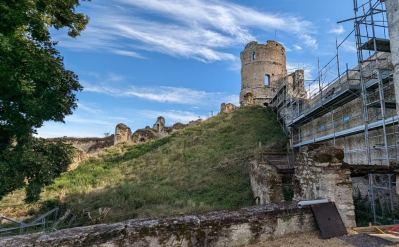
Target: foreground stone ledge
<point>219,228</point>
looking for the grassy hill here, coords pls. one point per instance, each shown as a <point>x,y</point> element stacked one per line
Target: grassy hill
<point>200,168</point>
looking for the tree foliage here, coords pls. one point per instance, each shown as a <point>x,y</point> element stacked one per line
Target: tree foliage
<point>34,87</point>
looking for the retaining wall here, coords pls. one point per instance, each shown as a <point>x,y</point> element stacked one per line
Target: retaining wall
<point>219,228</point>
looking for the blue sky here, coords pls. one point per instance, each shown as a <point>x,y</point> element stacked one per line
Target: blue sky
<point>140,59</point>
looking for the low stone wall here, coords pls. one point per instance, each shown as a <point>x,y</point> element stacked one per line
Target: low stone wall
<point>321,174</point>
<point>220,228</point>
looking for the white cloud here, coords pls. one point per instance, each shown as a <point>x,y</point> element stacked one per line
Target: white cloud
<point>172,116</point>
<point>193,29</point>
<point>85,120</point>
<point>309,41</point>
<point>127,53</point>
<point>348,47</point>
<point>165,94</point>
<point>98,88</point>
<point>337,30</point>
<point>307,68</point>
<point>297,47</point>
<point>115,78</point>
<point>89,108</point>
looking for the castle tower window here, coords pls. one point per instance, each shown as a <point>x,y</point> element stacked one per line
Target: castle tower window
<point>267,80</point>
<point>254,56</point>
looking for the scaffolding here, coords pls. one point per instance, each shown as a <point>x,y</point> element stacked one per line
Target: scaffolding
<point>375,104</point>
<point>325,112</point>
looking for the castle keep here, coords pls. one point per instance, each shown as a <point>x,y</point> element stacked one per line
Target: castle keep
<point>261,67</point>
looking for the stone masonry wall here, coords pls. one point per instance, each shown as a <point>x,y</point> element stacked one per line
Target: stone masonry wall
<point>392,7</point>
<point>321,174</point>
<point>260,61</point>
<point>220,228</point>
<point>266,183</point>
<point>226,108</point>
<point>122,134</point>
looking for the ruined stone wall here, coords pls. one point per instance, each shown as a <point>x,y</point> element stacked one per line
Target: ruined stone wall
<point>90,145</point>
<point>226,108</point>
<point>159,125</point>
<point>123,134</point>
<point>392,7</point>
<point>144,135</point>
<point>257,62</point>
<point>220,228</point>
<point>159,130</point>
<point>289,90</point>
<point>266,183</point>
<point>321,174</point>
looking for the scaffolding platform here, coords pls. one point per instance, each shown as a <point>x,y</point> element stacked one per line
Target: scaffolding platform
<point>343,96</point>
<point>373,83</point>
<point>389,104</point>
<point>363,170</point>
<point>381,45</point>
<point>348,132</point>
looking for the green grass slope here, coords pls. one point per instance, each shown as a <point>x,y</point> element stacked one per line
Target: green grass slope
<point>200,168</point>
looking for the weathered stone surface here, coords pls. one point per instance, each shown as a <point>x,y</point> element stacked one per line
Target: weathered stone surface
<point>144,135</point>
<point>122,134</point>
<point>159,130</point>
<point>219,228</point>
<point>89,145</point>
<point>226,108</point>
<point>159,124</point>
<point>194,122</point>
<point>179,126</point>
<point>80,156</point>
<point>320,174</point>
<point>392,7</point>
<point>327,154</point>
<point>266,183</point>
<point>260,63</point>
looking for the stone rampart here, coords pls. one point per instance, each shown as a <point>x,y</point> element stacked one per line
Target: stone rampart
<point>220,228</point>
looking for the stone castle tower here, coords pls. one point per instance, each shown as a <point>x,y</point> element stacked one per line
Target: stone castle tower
<point>261,67</point>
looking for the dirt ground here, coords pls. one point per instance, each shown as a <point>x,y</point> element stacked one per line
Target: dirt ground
<point>302,240</point>
<point>312,240</point>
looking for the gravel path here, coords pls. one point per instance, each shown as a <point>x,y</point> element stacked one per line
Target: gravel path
<point>303,240</point>
<point>312,240</point>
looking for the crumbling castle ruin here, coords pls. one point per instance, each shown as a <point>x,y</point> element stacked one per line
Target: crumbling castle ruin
<point>343,134</point>
<point>123,134</point>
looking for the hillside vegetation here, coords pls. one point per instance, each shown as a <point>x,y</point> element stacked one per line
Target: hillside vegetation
<point>200,168</point>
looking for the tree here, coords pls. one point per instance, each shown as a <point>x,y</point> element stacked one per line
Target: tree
<point>34,87</point>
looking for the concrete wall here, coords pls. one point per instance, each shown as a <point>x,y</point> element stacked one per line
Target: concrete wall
<point>220,228</point>
<point>321,174</point>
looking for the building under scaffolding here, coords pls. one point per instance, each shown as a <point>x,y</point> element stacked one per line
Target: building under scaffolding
<point>353,109</point>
